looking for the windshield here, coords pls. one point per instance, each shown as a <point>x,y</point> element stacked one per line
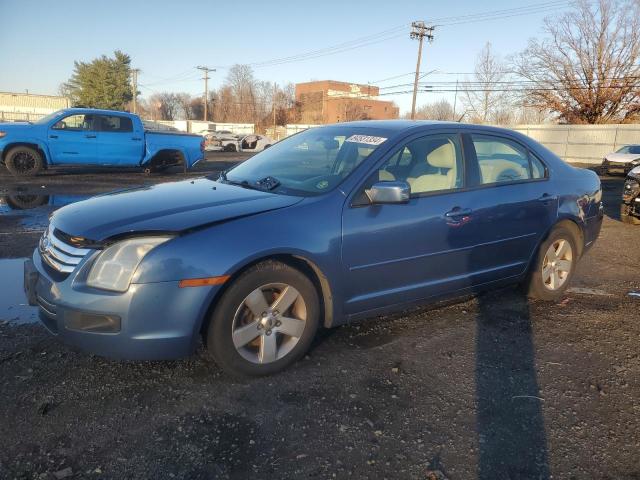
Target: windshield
<point>632,149</point>
<point>311,162</point>
<point>47,118</point>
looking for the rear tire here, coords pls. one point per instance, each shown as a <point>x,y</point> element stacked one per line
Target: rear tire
<point>554,266</point>
<point>265,321</point>
<point>24,161</point>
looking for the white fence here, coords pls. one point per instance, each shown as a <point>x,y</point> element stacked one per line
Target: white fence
<point>584,144</point>
<point>200,127</point>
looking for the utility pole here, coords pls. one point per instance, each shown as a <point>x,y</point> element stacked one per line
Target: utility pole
<point>206,71</point>
<point>134,81</point>
<point>419,30</point>
<point>275,91</point>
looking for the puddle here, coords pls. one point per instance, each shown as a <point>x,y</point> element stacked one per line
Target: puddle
<point>13,303</point>
<point>34,210</point>
<point>634,294</point>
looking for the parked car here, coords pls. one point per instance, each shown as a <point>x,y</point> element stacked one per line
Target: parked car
<point>622,160</point>
<point>630,208</point>
<point>80,136</point>
<point>255,143</point>
<point>328,226</point>
<point>221,140</point>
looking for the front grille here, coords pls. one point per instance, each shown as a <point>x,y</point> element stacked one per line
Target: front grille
<point>58,254</point>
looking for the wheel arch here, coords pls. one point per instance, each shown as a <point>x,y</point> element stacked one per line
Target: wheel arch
<point>41,149</point>
<point>304,264</point>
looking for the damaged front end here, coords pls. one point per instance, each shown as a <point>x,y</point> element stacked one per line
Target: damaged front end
<point>630,208</point>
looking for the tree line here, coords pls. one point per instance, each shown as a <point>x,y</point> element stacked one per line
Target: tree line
<point>585,69</point>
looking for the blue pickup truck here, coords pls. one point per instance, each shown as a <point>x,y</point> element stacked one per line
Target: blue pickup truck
<point>83,136</point>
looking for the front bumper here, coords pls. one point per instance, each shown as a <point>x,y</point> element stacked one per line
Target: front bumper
<point>617,167</point>
<point>155,321</point>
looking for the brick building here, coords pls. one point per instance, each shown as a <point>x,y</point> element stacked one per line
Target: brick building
<point>329,101</point>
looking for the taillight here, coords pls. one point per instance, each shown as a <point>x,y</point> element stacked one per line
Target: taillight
<point>202,143</point>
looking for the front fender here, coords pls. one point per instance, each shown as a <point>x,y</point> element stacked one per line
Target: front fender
<point>40,143</point>
<point>227,248</point>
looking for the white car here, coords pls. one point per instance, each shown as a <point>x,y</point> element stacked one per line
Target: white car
<point>622,161</point>
<point>254,143</point>
<point>216,141</point>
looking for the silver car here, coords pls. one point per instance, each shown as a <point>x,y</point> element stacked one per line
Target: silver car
<point>622,160</point>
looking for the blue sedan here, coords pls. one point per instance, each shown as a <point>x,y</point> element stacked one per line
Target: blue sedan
<point>331,225</point>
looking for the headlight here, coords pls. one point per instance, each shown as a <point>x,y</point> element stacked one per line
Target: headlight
<point>635,162</point>
<point>3,134</point>
<point>115,266</point>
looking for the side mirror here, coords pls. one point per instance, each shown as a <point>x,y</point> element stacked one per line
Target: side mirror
<point>389,192</point>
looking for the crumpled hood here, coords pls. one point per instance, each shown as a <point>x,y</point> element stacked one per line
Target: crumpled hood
<point>622,157</point>
<point>168,207</point>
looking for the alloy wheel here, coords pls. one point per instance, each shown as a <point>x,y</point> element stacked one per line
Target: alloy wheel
<point>24,162</point>
<point>269,323</point>
<point>557,264</point>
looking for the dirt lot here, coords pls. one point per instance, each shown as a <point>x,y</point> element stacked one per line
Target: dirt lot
<point>492,387</point>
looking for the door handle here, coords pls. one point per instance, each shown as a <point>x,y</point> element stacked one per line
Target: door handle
<point>53,136</point>
<point>136,138</point>
<point>90,136</point>
<point>458,212</point>
<point>546,198</point>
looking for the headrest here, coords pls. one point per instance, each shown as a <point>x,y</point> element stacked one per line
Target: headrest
<point>443,156</point>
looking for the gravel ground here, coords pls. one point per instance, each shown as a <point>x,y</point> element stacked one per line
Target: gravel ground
<point>495,386</point>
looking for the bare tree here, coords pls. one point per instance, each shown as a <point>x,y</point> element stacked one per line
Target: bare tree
<point>184,101</point>
<point>166,105</point>
<point>588,69</point>
<point>440,110</point>
<point>484,97</point>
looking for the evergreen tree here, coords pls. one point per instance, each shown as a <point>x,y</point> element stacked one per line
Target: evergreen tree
<point>104,82</point>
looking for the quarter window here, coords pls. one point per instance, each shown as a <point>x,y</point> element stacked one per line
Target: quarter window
<point>428,164</point>
<point>503,161</point>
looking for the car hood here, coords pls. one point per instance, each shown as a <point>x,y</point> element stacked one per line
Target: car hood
<point>622,157</point>
<point>168,207</point>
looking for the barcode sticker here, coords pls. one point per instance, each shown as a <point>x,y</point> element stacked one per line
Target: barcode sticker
<point>366,139</point>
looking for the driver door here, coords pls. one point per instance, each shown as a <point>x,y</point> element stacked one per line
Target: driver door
<point>400,253</point>
<point>74,140</point>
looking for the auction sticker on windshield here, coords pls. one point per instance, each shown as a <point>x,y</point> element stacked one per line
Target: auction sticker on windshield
<point>365,139</point>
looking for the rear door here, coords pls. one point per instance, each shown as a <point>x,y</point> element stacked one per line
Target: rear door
<point>513,204</point>
<point>120,142</point>
<point>73,140</point>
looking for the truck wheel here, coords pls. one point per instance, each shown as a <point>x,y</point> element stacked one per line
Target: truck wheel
<point>265,321</point>
<point>23,161</point>
<point>626,217</point>
<point>554,266</point>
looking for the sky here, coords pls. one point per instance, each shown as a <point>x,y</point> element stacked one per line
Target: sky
<point>39,40</point>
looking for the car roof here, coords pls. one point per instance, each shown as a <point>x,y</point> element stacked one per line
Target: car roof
<point>397,126</point>
<point>94,110</point>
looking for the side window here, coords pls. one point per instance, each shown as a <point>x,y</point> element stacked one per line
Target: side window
<point>428,164</point>
<point>500,160</point>
<point>74,122</point>
<point>114,124</point>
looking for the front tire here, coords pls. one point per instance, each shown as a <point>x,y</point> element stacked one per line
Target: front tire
<point>554,266</point>
<point>265,321</point>
<point>24,161</point>
<point>230,147</point>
